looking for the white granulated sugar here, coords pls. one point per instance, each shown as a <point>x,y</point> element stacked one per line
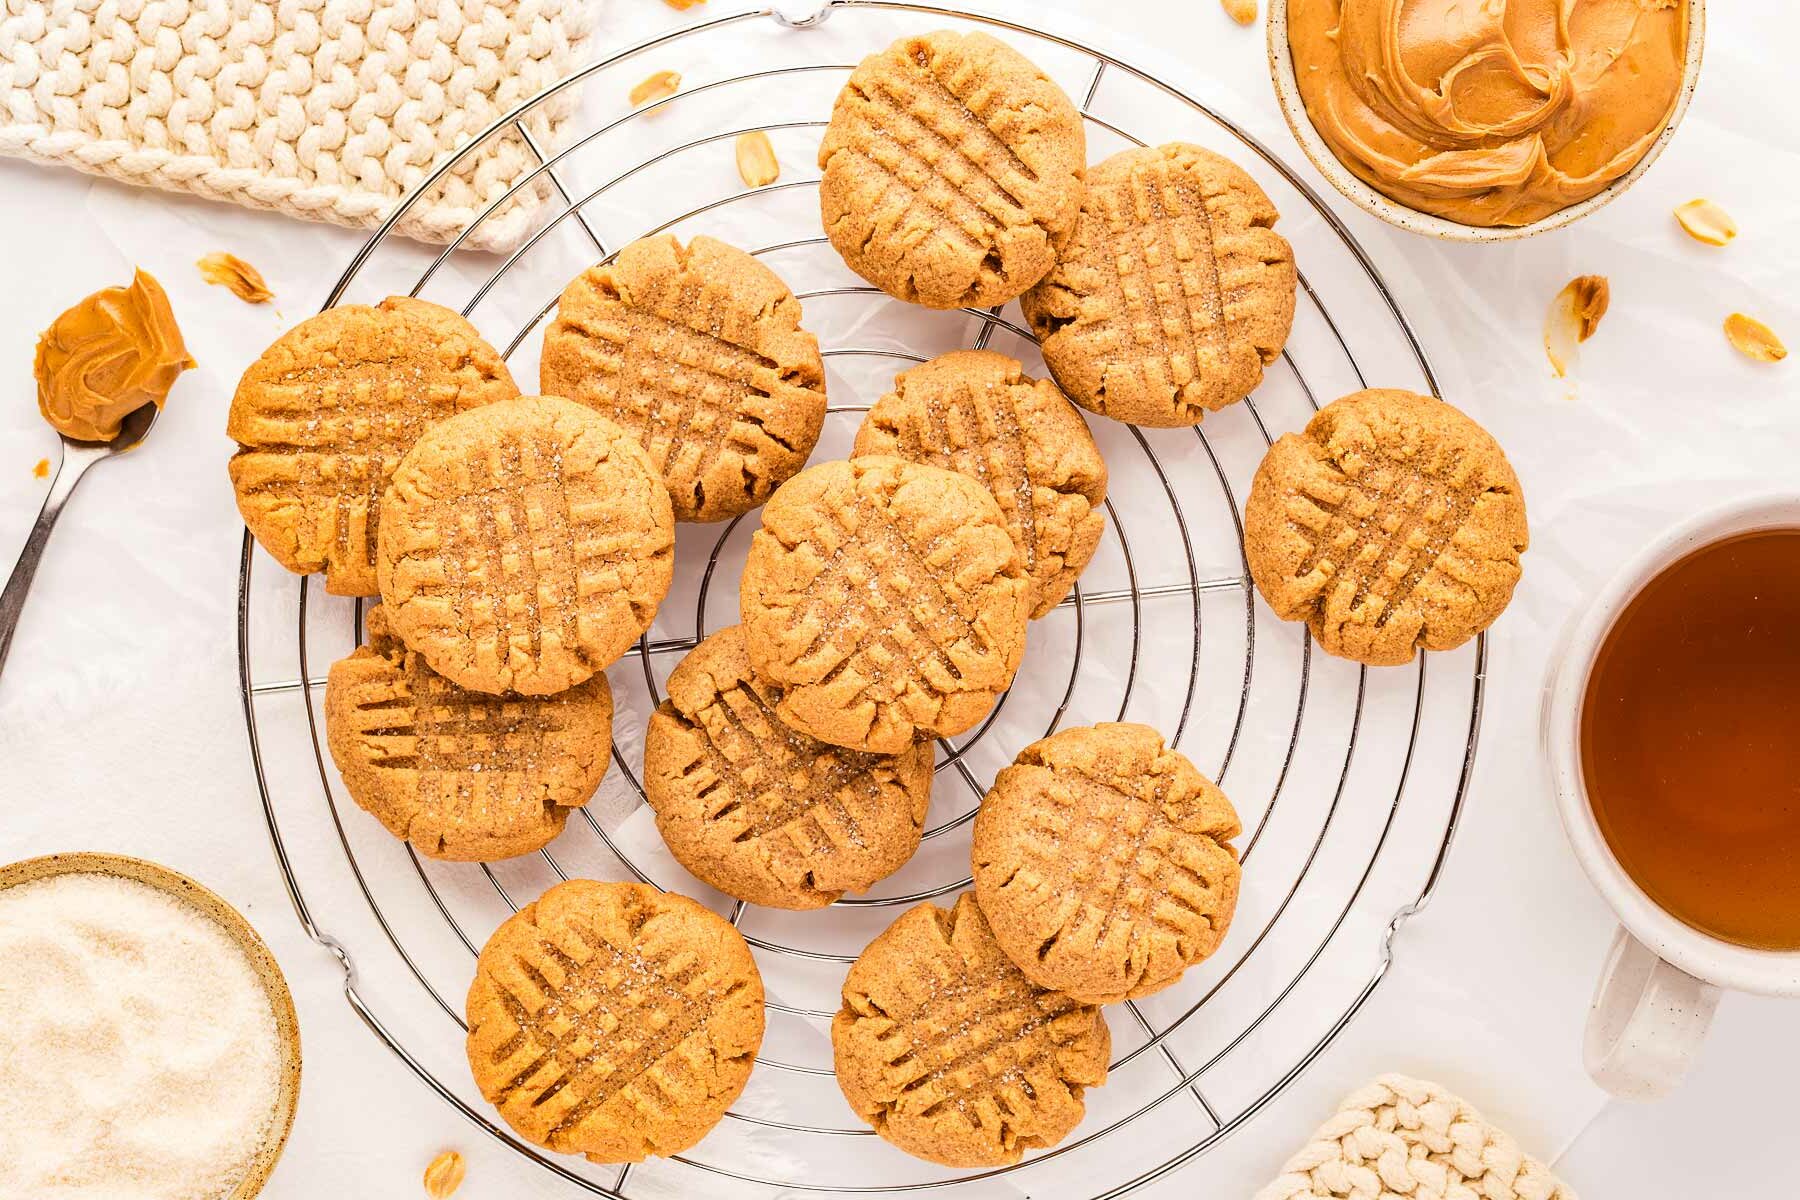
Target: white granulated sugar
<point>139,1055</point>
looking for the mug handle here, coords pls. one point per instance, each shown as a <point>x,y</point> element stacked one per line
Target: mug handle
<point>1646,1022</point>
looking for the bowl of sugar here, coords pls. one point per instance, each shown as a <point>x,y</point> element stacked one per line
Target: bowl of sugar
<point>147,1036</point>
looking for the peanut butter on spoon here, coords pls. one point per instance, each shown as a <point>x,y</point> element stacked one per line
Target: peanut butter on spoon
<point>107,357</point>
<point>1496,113</point>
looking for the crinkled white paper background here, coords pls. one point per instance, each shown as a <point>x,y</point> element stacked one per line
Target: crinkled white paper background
<point>120,726</point>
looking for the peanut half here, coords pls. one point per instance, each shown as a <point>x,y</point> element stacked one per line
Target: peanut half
<point>1706,222</point>
<point>1572,319</point>
<point>1241,11</point>
<point>655,87</point>
<point>444,1175</point>
<point>230,271</point>
<point>1753,339</point>
<point>756,159</point>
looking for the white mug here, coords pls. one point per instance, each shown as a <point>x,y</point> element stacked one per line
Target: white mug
<point>1662,978</point>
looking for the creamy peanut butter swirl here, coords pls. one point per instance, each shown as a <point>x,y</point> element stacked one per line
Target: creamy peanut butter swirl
<point>113,353</point>
<point>1489,112</point>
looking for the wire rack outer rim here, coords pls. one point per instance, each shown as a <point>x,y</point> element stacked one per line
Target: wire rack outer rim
<point>1104,60</point>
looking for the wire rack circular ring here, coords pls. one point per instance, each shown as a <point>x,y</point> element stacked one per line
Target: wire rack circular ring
<point>1350,782</point>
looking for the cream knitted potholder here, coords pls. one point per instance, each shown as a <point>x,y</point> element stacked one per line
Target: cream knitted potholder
<point>326,109</point>
<point>1405,1138</point>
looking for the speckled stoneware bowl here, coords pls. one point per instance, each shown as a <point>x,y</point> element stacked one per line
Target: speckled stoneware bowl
<point>281,1001</point>
<point>1281,70</point>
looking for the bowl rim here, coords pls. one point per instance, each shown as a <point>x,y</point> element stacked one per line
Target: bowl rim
<point>1377,203</point>
<point>262,961</point>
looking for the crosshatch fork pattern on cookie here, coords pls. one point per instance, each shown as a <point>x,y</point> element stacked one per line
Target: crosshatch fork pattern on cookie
<point>434,728</point>
<point>1174,293</point>
<point>611,1020</point>
<point>910,615</point>
<point>951,1053</point>
<point>794,784</point>
<point>1385,526</point>
<point>325,442</point>
<point>942,154</point>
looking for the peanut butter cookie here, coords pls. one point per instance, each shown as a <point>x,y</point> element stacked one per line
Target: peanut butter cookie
<point>886,599</point>
<point>461,775</point>
<point>975,411</point>
<point>952,170</point>
<point>698,352</point>
<point>761,812</point>
<point>1102,861</point>
<point>1174,292</point>
<point>1392,523</point>
<point>324,416</point>
<point>524,546</point>
<point>614,1020</point>
<point>955,1056</point>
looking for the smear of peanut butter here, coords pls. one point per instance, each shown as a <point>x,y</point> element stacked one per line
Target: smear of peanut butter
<point>1573,317</point>
<point>107,357</point>
<point>41,470</point>
<point>230,271</point>
<point>1498,113</point>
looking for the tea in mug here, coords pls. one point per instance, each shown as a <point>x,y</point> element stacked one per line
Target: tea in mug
<point>1690,739</point>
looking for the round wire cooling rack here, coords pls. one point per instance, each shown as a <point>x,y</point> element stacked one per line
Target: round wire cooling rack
<point>1350,782</point>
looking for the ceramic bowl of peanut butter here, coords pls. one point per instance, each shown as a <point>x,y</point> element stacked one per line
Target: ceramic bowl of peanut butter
<point>1484,122</point>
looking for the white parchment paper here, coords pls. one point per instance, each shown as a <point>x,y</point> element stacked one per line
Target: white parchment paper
<point>120,725</point>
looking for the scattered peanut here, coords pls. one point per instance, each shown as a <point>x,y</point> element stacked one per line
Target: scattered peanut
<point>682,5</point>
<point>1753,339</point>
<point>1572,319</point>
<point>756,159</point>
<point>1241,11</point>
<point>230,271</point>
<point>444,1175</point>
<point>655,87</point>
<point>1706,222</point>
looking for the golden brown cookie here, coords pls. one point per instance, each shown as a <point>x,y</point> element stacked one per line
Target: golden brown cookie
<point>461,775</point>
<point>614,1020</point>
<point>764,813</point>
<point>324,416</point>
<point>952,170</point>
<point>886,599</point>
<point>1173,293</point>
<point>524,546</point>
<point>1393,522</point>
<point>698,352</point>
<point>975,411</point>
<point>1102,861</point>
<point>952,1054</point>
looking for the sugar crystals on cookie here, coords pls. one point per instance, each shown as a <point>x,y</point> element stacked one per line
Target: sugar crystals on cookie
<point>763,812</point>
<point>1173,293</point>
<point>524,546</point>
<point>977,412</point>
<point>697,351</point>
<point>1392,523</point>
<point>1103,862</point>
<point>323,417</point>
<point>952,170</point>
<point>888,601</point>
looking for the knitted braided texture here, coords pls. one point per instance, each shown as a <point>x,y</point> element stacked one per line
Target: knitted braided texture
<point>1405,1139</point>
<point>326,109</point>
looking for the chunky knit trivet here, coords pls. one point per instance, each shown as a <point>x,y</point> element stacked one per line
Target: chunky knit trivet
<point>1405,1139</point>
<point>325,109</point>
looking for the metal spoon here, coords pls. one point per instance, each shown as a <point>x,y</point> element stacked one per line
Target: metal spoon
<point>77,457</point>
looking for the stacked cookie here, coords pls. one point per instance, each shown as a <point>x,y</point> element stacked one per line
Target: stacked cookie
<point>1103,869</point>
<point>521,544</point>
